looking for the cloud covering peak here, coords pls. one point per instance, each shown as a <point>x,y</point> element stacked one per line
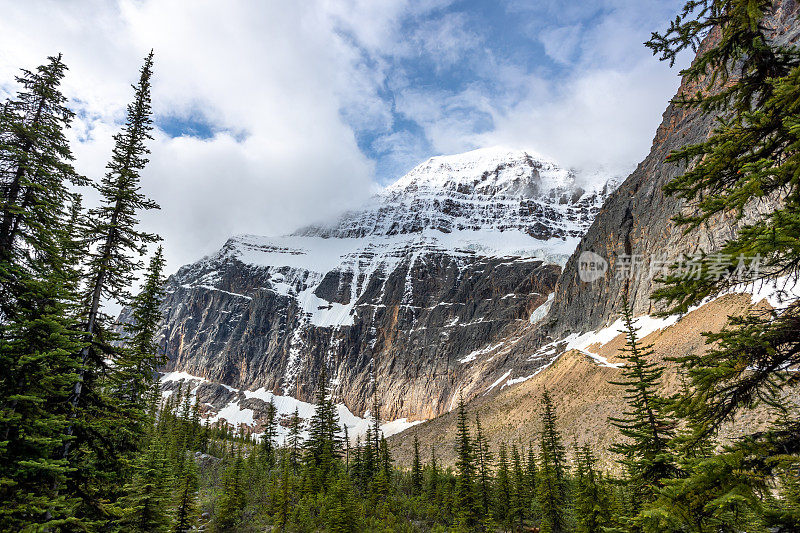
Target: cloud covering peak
<point>271,115</point>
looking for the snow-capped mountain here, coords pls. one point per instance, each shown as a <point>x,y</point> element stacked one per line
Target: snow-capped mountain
<point>408,291</point>
<point>487,190</point>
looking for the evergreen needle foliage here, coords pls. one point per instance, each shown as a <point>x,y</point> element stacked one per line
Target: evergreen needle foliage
<point>90,442</point>
<point>751,81</point>
<point>645,427</point>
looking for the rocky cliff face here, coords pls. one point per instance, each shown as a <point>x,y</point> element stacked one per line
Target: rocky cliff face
<point>573,350</point>
<point>411,292</point>
<point>636,219</point>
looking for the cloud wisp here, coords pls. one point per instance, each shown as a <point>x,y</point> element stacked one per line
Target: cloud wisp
<point>272,115</point>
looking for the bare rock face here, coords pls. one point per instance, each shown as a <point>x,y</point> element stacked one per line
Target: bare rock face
<point>636,220</point>
<point>440,268</point>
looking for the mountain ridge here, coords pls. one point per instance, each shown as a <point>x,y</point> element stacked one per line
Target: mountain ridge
<point>409,293</point>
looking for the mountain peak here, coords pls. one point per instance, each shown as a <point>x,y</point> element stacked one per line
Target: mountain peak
<point>491,189</point>
<point>495,169</point>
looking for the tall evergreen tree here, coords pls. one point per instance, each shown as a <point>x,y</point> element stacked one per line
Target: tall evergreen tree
<point>186,505</point>
<point>645,427</point>
<point>592,499</point>
<point>750,80</point>
<point>35,172</point>
<point>270,434</point>
<point>519,500</point>
<point>233,498</point>
<point>416,469</point>
<point>552,487</point>
<point>36,348</point>
<point>284,494</point>
<point>103,431</point>
<point>295,430</point>
<point>483,464</point>
<point>137,365</point>
<point>112,227</point>
<point>323,444</point>
<point>148,495</point>
<point>38,333</point>
<point>346,441</point>
<point>369,458</point>
<point>376,418</point>
<point>385,460</point>
<point>341,513</point>
<point>501,511</point>
<point>531,475</point>
<point>465,470</point>
<point>357,468</point>
<point>432,483</point>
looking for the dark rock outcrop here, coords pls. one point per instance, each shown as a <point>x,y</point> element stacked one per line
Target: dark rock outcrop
<point>445,264</point>
<point>636,220</point>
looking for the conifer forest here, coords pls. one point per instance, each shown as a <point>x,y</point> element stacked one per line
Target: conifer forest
<point>91,441</point>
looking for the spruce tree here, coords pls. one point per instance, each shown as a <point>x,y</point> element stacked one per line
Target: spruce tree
<point>270,434</point>
<point>137,365</point>
<point>183,440</point>
<point>750,81</point>
<point>35,172</point>
<point>323,444</point>
<point>519,500</point>
<point>186,505</point>
<point>432,483</point>
<point>144,507</point>
<point>645,427</point>
<point>551,487</point>
<point>103,429</point>
<point>376,418</point>
<point>346,441</point>
<point>385,460</point>
<point>465,470</point>
<point>416,470</point>
<point>501,510</point>
<point>531,475</point>
<point>592,499</point>
<point>295,430</point>
<point>284,494</point>
<point>341,513</point>
<point>112,228</point>
<point>483,463</point>
<point>36,348</point>
<point>38,333</point>
<point>357,470</point>
<point>232,499</point>
<point>369,458</point>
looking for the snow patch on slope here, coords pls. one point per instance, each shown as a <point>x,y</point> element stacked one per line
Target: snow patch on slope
<point>777,292</point>
<point>236,415</point>
<point>540,312</point>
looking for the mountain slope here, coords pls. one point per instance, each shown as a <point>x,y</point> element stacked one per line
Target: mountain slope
<point>635,221</point>
<point>408,292</point>
<point>578,381</point>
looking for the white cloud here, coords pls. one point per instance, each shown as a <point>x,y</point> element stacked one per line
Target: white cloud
<point>401,151</point>
<point>603,119</point>
<point>277,75</point>
<point>601,113</point>
<point>285,87</point>
<point>449,120</point>
<point>446,40</point>
<point>560,43</point>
